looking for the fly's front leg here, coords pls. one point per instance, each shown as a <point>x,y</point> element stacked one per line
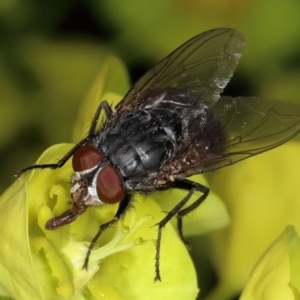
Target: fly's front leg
<point>108,111</point>
<point>57,165</point>
<point>123,207</point>
<point>191,187</point>
<point>103,105</point>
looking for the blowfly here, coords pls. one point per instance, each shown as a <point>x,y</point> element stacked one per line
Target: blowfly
<point>172,124</point>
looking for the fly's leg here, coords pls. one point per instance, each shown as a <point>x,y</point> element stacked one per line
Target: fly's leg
<point>108,111</point>
<point>201,188</point>
<point>123,207</point>
<point>59,164</point>
<point>191,187</point>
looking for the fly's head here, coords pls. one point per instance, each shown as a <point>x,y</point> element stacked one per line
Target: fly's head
<point>94,182</point>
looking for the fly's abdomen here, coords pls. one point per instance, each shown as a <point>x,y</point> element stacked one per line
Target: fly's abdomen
<point>139,144</point>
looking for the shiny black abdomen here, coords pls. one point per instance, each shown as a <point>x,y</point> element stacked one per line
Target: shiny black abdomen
<point>140,143</point>
<point>143,140</point>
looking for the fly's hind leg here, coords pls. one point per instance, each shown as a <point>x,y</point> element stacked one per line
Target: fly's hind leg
<point>108,111</point>
<point>191,187</point>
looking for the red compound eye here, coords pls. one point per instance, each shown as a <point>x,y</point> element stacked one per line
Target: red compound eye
<point>85,157</point>
<point>110,187</point>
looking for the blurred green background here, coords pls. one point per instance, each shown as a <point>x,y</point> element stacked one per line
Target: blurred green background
<point>51,51</point>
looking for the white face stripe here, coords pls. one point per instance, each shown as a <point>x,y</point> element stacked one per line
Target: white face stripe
<point>92,196</point>
<point>74,188</point>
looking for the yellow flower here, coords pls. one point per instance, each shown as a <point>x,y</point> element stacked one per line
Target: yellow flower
<point>46,264</point>
<point>276,276</point>
<point>262,198</point>
<point>39,264</point>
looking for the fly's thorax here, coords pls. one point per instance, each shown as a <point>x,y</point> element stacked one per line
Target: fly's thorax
<point>140,143</point>
<point>95,181</point>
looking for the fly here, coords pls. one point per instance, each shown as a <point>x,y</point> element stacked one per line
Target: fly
<point>172,124</point>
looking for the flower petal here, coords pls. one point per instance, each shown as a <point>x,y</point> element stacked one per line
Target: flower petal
<point>274,277</point>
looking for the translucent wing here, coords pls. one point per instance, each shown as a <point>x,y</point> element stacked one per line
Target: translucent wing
<point>242,127</point>
<point>202,67</point>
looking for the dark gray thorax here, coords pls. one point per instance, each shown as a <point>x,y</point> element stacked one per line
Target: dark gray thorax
<point>138,144</point>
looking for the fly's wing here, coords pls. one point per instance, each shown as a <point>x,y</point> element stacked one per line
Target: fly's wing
<point>242,127</point>
<point>202,67</point>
